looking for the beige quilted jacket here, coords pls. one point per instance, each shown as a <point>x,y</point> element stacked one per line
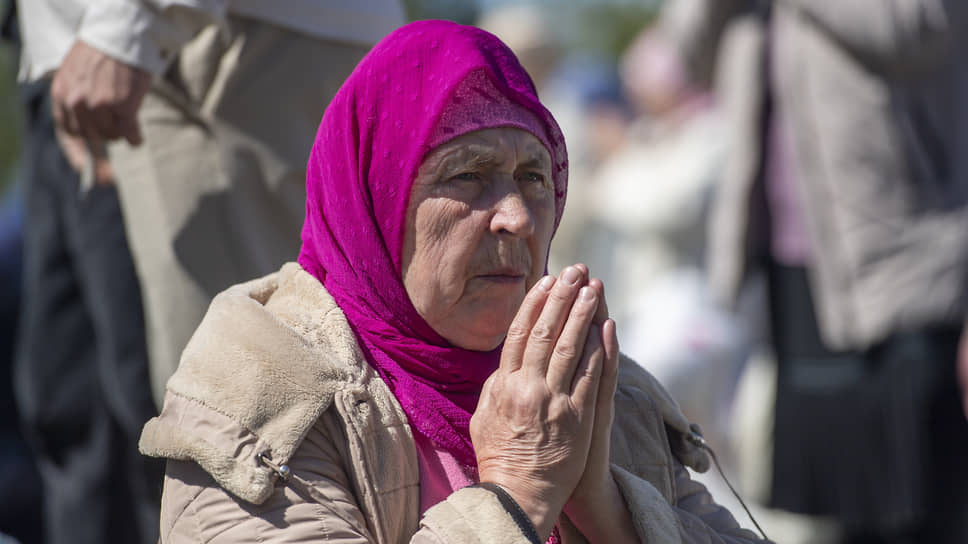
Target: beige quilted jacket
<point>273,377</point>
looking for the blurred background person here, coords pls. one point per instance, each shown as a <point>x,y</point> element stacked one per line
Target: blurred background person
<point>81,369</point>
<point>652,200</point>
<point>845,187</point>
<point>210,106</point>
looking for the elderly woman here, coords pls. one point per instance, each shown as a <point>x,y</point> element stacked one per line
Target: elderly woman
<point>416,377</point>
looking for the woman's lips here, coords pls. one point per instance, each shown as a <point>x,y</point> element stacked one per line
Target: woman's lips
<point>503,276</point>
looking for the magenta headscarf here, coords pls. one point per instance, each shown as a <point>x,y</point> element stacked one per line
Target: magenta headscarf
<point>424,84</point>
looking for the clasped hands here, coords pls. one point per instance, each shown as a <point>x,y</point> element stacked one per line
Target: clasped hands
<point>541,429</point>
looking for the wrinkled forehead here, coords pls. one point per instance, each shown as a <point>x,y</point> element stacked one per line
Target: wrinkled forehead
<point>488,148</point>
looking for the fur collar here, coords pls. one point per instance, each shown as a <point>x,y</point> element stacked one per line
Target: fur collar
<point>262,367</point>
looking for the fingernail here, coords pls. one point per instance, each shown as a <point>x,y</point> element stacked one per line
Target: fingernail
<point>570,275</point>
<point>546,283</point>
<point>586,294</point>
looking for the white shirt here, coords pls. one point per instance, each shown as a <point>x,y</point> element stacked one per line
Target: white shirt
<point>148,33</point>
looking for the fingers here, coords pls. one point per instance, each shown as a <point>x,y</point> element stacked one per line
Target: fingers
<point>100,124</point>
<point>548,337</point>
<point>63,115</point>
<point>609,379</point>
<point>610,342</point>
<point>604,405</point>
<point>97,119</point>
<point>86,121</point>
<point>130,131</point>
<point>69,90</point>
<point>103,173</point>
<point>605,399</point>
<point>104,124</point>
<point>609,373</point>
<point>601,314</point>
<point>520,329</point>
<point>73,147</point>
<point>97,97</point>
<point>570,348</point>
<point>546,330</point>
<point>601,393</point>
<point>584,386</point>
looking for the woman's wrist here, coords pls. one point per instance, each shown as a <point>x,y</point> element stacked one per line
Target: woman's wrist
<point>520,517</point>
<point>540,514</point>
<point>600,513</point>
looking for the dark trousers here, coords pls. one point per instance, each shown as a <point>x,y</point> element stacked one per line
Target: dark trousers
<point>81,374</point>
<point>19,493</point>
<point>876,439</point>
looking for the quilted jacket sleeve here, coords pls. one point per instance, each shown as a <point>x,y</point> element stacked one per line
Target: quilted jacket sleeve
<point>701,518</point>
<point>650,449</point>
<point>316,506</point>
<point>694,518</point>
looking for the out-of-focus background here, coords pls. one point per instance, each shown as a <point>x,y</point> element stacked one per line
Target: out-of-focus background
<point>648,146</point>
<point>9,121</point>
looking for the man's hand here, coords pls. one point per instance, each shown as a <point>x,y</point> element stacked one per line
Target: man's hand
<point>97,97</point>
<point>83,156</point>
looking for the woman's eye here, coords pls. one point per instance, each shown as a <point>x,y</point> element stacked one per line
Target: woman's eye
<point>467,176</point>
<point>534,177</point>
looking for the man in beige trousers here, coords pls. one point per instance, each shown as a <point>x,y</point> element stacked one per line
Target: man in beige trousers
<point>217,104</point>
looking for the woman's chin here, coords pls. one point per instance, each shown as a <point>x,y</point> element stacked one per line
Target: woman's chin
<point>482,325</point>
<point>479,342</point>
<point>482,338</point>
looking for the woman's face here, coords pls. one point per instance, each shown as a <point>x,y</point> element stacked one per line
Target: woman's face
<point>479,223</point>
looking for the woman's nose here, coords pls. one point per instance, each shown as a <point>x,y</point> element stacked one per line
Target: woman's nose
<point>512,216</point>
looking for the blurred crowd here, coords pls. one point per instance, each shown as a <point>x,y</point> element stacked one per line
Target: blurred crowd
<point>773,193</point>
